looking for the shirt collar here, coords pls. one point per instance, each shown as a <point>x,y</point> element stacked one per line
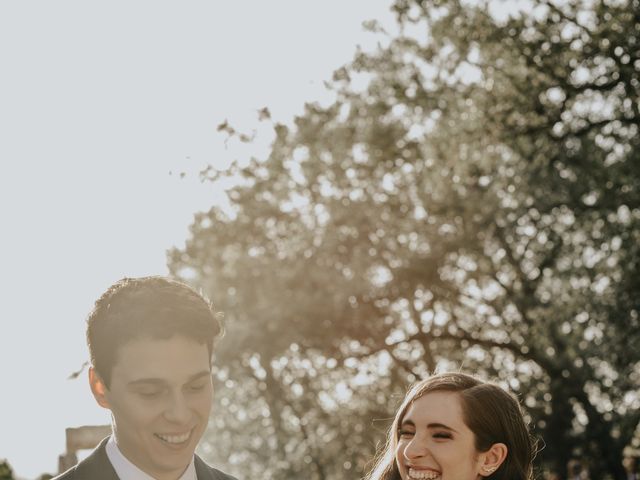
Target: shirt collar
<point>128,471</point>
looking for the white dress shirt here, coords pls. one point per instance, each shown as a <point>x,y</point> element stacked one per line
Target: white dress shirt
<point>128,471</point>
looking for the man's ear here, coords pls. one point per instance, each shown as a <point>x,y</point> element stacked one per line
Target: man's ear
<point>98,388</point>
<point>492,459</point>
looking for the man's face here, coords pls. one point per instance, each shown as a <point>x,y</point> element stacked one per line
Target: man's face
<point>160,399</point>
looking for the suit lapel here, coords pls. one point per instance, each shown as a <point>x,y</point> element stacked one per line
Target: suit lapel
<point>203,471</point>
<point>97,465</point>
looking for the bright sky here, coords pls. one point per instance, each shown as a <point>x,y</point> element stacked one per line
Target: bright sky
<point>99,101</point>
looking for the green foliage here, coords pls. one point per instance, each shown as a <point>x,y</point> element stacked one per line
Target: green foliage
<point>6,472</point>
<point>477,204</point>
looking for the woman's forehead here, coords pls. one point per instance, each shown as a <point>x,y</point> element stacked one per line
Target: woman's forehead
<point>436,407</point>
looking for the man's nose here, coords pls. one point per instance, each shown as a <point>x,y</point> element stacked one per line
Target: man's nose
<point>178,410</point>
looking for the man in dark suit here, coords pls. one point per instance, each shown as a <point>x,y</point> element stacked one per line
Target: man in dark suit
<point>151,341</point>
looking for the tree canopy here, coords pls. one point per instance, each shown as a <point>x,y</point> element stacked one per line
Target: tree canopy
<point>471,199</point>
<point>6,472</point>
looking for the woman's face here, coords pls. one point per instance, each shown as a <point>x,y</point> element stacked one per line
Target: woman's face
<point>435,443</point>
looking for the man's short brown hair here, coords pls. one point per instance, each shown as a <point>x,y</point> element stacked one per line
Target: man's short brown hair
<point>146,307</point>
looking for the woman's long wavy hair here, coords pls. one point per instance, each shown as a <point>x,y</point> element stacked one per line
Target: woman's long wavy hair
<point>492,414</point>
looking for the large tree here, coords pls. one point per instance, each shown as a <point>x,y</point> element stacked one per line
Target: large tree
<point>472,197</point>
<point>6,472</point>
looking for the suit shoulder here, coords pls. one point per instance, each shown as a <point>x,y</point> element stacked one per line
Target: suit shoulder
<point>221,475</point>
<point>205,471</point>
<point>68,475</point>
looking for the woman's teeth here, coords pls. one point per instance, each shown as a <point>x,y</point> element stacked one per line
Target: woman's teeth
<point>423,474</point>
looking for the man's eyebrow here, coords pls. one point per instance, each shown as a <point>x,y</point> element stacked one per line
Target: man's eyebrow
<point>199,375</point>
<point>146,381</point>
<point>160,381</point>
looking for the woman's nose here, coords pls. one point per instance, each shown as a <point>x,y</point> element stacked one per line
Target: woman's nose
<point>416,448</point>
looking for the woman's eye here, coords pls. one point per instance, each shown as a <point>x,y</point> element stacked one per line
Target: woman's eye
<point>405,433</point>
<point>197,387</point>
<point>442,435</point>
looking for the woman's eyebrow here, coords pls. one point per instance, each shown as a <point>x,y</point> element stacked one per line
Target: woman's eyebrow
<point>441,425</point>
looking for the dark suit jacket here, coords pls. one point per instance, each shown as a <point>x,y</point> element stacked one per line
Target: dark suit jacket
<point>98,467</point>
